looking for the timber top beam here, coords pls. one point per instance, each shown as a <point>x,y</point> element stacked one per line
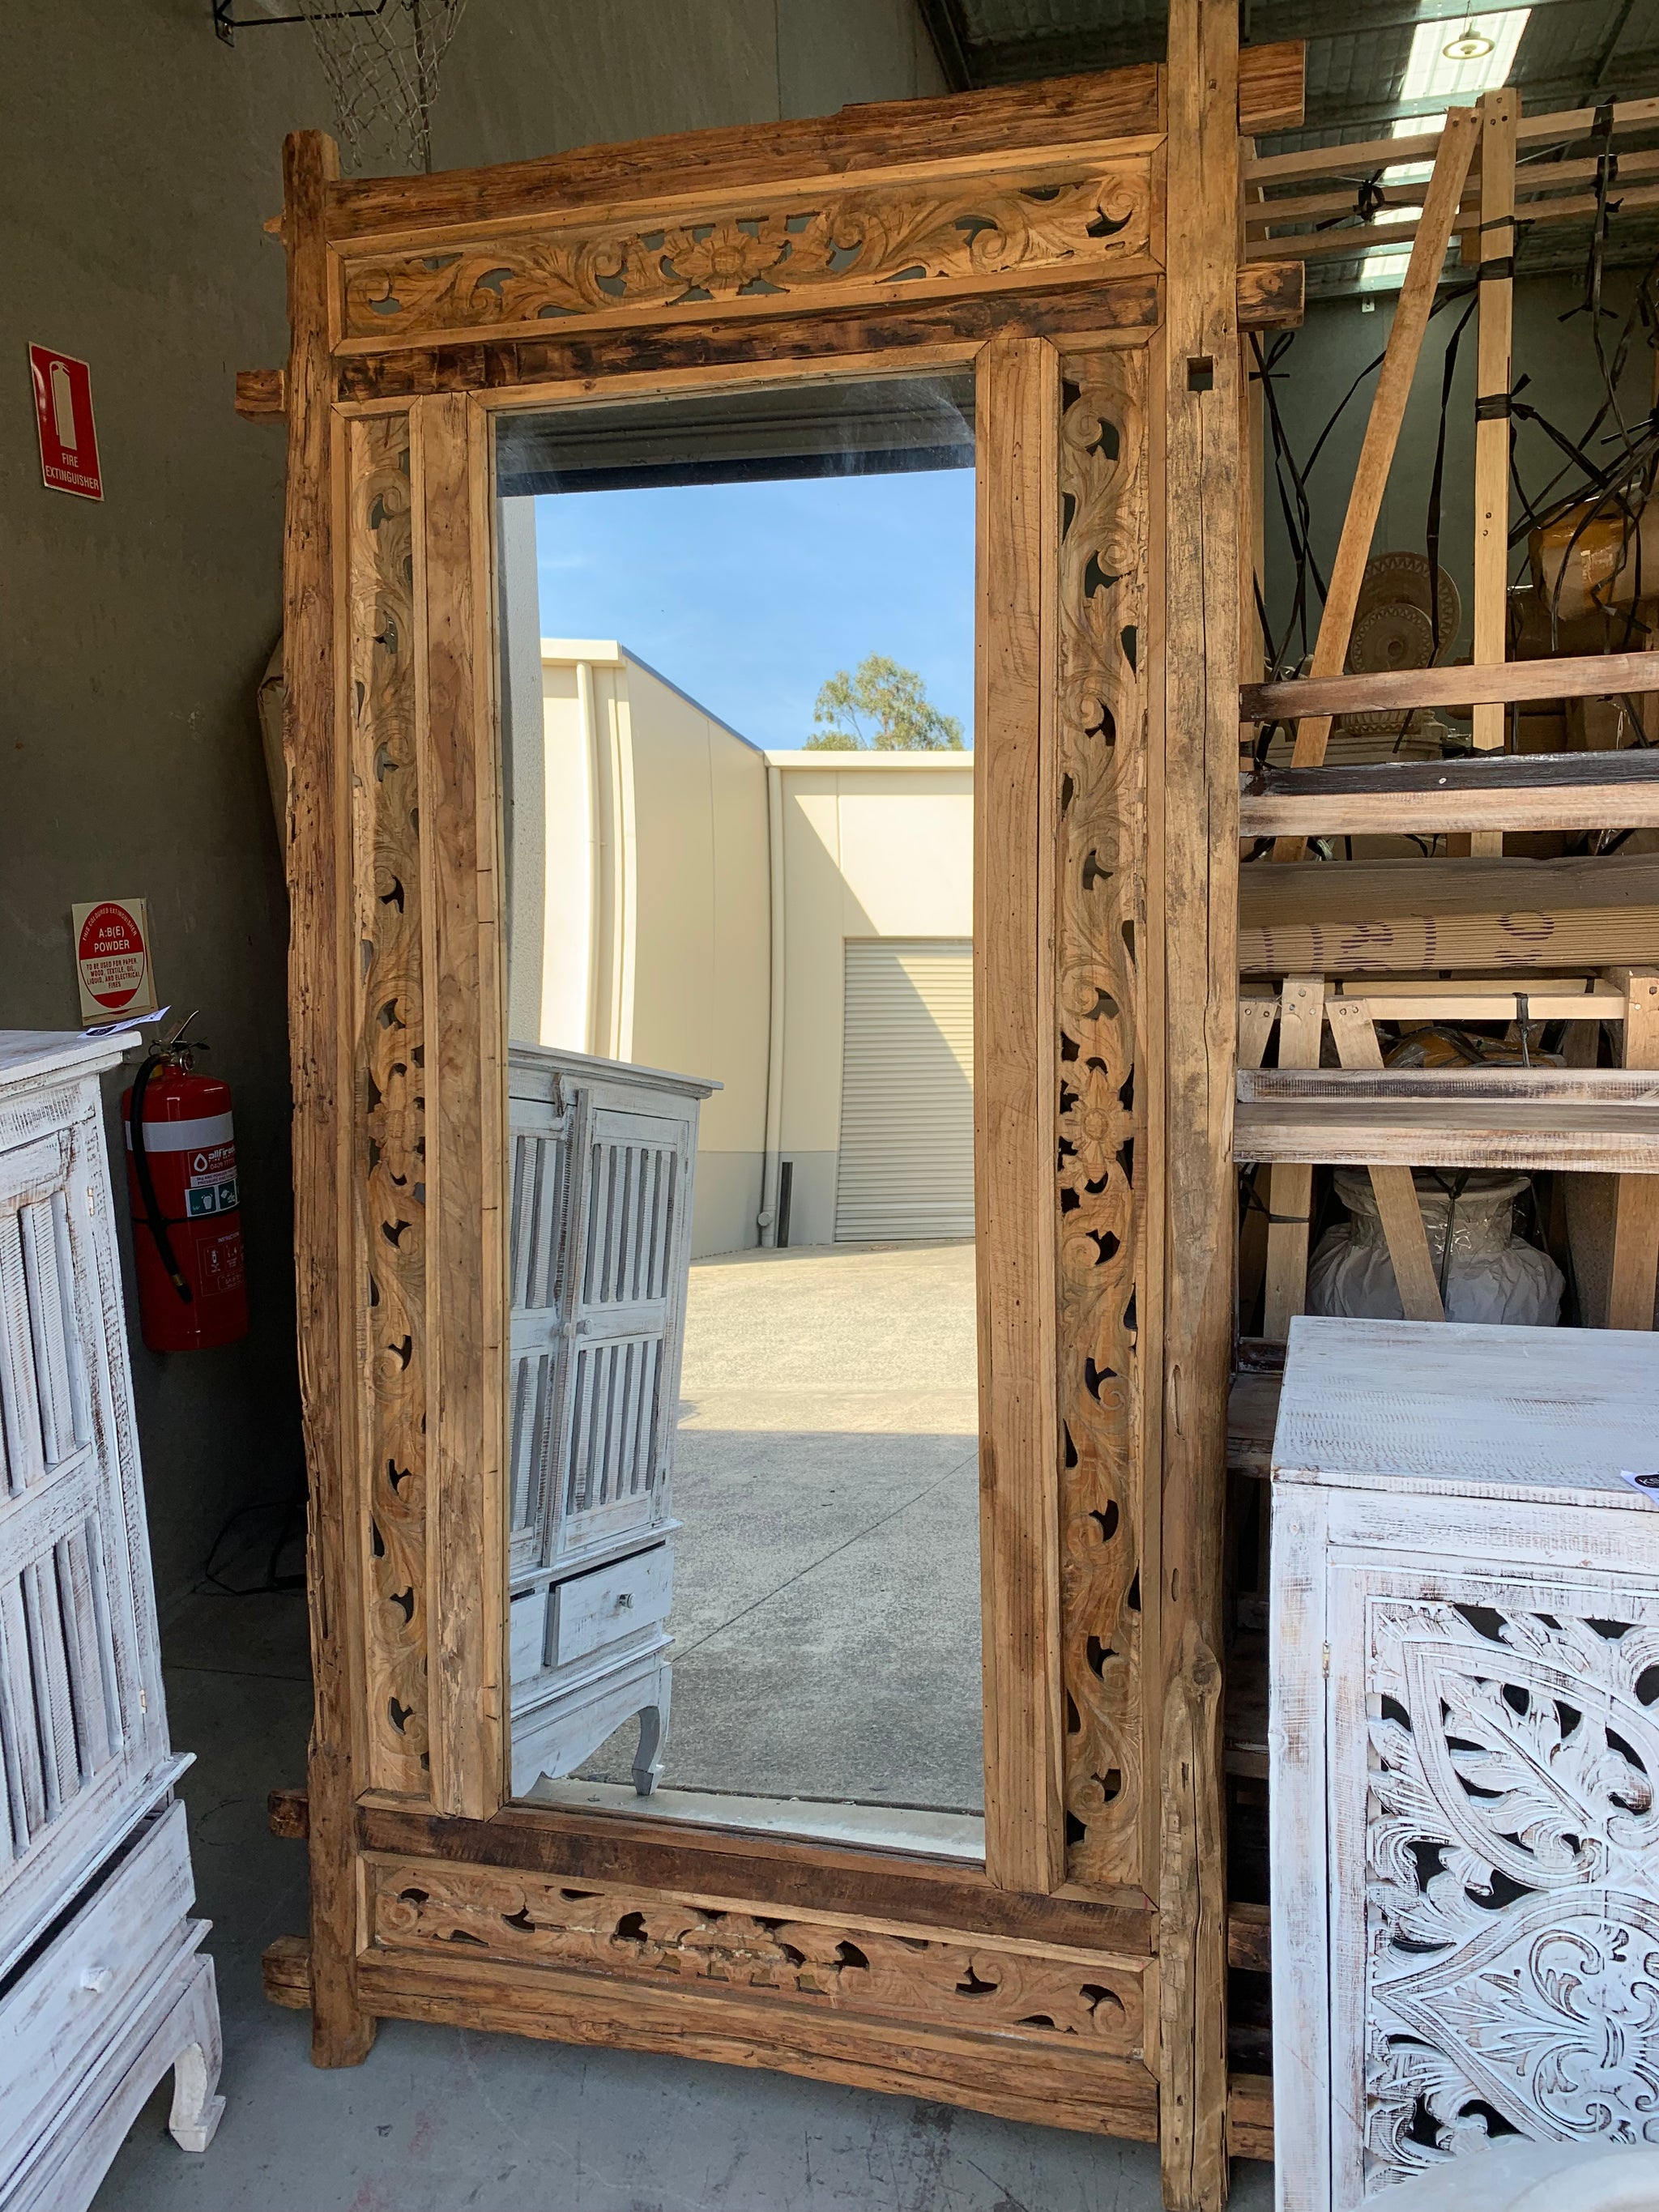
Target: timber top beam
<point>1114,104</point>
<point>1103,104</point>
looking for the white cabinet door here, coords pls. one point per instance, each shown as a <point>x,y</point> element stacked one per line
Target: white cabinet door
<point>1495,1862</point>
<point>626,1315</point>
<point>81,1725</point>
<point>603,1168</point>
<point>543,1201</point>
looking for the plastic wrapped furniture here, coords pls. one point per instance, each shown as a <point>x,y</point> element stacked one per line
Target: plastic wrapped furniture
<point>1491,1275</point>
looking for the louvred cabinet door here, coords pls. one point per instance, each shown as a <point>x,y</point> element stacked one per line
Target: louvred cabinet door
<point>603,1159</point>
<point>81,1725</point>
<point>626,1294</point>
<point>542,1204</point>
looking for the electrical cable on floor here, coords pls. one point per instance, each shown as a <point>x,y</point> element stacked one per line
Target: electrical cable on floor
<point>290,1526</point>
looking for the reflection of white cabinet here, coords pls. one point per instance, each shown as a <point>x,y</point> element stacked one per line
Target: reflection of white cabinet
<point>103,1986</point>
<point>603,1161</point>
<point>1464,1748</point>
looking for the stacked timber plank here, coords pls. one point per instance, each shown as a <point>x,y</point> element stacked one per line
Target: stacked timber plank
<point>1389,917</point>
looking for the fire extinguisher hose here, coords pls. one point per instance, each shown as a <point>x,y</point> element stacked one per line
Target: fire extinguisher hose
<point>154,1220</point>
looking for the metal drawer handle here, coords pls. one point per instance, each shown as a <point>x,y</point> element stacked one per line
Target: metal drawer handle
<point>624,1600</point>
<point>97,1979</point>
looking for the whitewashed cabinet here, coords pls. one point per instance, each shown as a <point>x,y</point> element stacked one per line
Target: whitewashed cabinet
<point>603,1159</point>
<point>103,1984</point>
<point>1463,1747</point>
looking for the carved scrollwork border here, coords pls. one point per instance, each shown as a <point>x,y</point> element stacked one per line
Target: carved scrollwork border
<point>1087,2000</point>
<point>389,1176</point>
<point>820,243</point>
<point>1100,932</point>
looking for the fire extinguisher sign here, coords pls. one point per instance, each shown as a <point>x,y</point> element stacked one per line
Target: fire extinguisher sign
<point>63,415</point>
<point>111,959</point>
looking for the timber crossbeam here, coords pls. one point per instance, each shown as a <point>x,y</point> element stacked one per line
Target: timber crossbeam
<point>1504,683</point>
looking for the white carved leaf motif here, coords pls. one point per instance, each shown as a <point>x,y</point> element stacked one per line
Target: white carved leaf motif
<point>1512,1883</point>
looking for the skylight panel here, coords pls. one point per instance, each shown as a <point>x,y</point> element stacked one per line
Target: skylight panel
<point>1452,61</point>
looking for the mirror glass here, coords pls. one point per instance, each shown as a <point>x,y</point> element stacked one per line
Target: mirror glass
<point>737,770</point>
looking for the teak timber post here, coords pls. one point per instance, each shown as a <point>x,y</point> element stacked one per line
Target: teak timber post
<point>319,891</point>
<point>1195,879</point>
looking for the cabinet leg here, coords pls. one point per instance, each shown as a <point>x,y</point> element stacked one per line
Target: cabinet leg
<point>647,1759</point>
<point>197,2105</point>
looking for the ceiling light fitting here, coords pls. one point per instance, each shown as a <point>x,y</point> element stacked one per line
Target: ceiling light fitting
<point>1470,45</point>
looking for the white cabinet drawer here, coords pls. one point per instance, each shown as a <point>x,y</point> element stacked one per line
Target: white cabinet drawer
<point>62,2006</point>
<point>614,1601</point>
<point>527,1619</point>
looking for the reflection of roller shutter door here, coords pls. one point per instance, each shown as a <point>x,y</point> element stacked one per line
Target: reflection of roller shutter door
<point>906,1091</point>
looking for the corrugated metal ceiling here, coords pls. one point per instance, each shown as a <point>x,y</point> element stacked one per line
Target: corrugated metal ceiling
<point>1573,54</point>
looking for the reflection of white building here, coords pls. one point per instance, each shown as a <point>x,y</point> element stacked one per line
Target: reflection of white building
<point>796,925</point>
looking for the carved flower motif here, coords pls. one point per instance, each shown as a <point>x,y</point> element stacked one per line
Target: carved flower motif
<point>1095,1124</point>
<point>728,258</point>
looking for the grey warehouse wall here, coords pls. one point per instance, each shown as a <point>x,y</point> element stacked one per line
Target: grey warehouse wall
<point>138,157</point>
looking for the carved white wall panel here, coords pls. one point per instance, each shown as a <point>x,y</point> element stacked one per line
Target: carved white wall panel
<point>1465,1748</point>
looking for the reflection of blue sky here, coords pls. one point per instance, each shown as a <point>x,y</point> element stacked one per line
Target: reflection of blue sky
<point>749,595</point>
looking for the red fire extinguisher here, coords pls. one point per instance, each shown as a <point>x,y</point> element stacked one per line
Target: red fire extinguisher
<point>186,1209</point>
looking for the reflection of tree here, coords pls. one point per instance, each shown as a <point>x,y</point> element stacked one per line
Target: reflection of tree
<point>893,700</point>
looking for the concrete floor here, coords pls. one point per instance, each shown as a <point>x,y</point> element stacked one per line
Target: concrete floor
<point>439,2119</point>
<point>862,1575</point>
<point>826,1579</point>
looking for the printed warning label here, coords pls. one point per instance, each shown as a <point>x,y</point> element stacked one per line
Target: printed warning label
<point>111,958</point>
<point>212,1185</point>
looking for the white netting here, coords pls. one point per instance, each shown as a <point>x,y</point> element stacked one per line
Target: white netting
<point>381,59</point>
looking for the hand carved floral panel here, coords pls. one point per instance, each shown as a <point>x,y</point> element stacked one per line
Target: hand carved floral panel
<point>390,1182</point>
<point>1512,1879</point>
<point>1095,2001</point>
<point>821,243</point>
<point>1099,921</point>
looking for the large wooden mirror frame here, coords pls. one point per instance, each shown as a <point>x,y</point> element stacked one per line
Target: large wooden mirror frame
<point>1078,242</point>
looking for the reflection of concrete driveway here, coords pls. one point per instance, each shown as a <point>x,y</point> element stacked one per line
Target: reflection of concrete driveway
<point>826,1613</point>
